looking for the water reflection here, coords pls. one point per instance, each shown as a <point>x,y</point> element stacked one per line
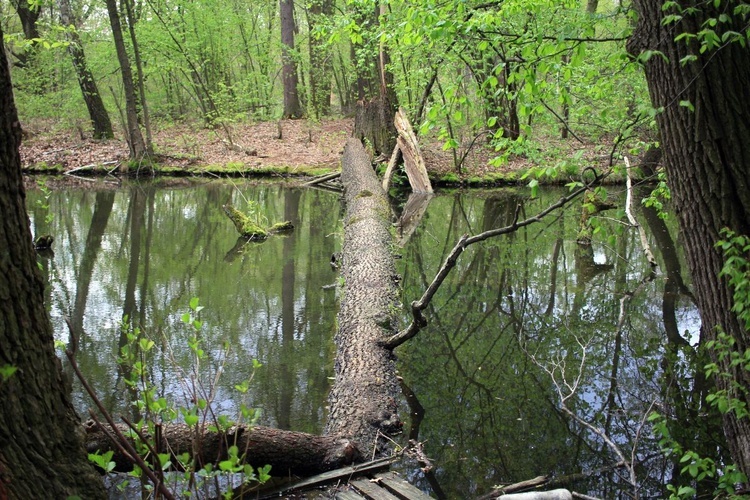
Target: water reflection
<point>521,322</point>
<point>144,252</point>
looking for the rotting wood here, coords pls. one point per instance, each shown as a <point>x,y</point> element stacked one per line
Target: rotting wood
<point>368,487</point>
<point>400,486</point>
<point>391,168</point>
<point>413,160</point>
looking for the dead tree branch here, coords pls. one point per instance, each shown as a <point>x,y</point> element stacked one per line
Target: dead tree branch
<point>419,321</point>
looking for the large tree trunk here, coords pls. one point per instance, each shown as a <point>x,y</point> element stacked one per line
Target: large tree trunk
<point>363,397</point>
<point>97,112</point>
<point>706,153</point>
<point>41,446</point>
<point>292,107</point>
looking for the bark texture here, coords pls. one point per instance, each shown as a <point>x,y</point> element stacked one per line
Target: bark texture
<point>706,154</point>
<point>288,452</point>
<point>363,397</point>
<point>41,446</point>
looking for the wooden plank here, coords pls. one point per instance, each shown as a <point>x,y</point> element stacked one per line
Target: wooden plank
<point>401,487</point>
<point>391,169</point>
<point>371,489</point>
<point>348,495</point>
<point>334,475</point>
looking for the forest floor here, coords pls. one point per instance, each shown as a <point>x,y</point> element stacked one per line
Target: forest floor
<point>285,147</point>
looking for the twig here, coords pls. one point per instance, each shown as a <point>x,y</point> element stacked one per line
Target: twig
<point>120,437</point>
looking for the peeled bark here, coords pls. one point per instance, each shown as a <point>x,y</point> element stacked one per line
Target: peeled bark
<point>363,397</point>
<point>41,447</point>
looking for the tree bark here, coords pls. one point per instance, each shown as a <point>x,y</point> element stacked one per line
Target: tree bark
<point>41,447</point>
<point>287,452</point>
<point>706,155</point>
<point>292,107</point>
<point>94,104</point>
<point>363,397</point>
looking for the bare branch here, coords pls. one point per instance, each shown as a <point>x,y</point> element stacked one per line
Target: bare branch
<point>419,321</point>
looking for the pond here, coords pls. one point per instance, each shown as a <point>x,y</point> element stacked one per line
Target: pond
<point>523,322</point>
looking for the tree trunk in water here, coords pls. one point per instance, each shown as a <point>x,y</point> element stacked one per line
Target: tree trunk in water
<point>97,112</point>
<point>135,138</point>
<point>292,107</point>
<point>706,155</point>
<point>363,397</point>
<point>41,446</point>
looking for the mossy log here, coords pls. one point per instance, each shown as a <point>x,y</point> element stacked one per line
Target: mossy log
<point>249,229</point>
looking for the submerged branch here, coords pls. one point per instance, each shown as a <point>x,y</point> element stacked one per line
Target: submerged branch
<point>419,321</point>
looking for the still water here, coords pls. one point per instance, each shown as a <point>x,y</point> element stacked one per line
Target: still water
<point>523,323</point>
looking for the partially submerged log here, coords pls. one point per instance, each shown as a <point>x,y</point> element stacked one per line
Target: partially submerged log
<point>251,230</point>
<point>288,452</point>
<point>363,397</point>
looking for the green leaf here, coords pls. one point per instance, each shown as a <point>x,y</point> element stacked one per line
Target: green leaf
<point>7,371</point>
<point>194,303</point>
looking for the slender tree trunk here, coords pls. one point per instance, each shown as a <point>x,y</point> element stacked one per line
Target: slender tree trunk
<point>41,447</point>
<point>136,143</point>
<point>321,63</point>
<point>97,112</point>
<point>292,107</point>
<point>139,71</point>
<point>704,129</point>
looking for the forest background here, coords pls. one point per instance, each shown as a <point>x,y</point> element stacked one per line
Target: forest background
<point>490,89</point>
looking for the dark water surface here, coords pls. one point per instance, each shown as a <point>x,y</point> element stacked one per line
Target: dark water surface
<point>522,322</point>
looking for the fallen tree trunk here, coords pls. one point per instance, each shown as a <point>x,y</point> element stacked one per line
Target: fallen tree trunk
<point>363,409</point>
<point>288,452</point>
<point>363,397</point>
